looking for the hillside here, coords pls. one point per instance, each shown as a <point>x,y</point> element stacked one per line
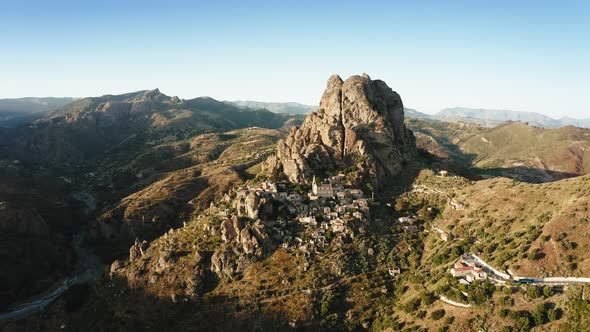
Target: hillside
<point>491,117</point>
<point>88,127</point>
<point>123,159</point>
<point>529,153</point>
<point>337,224</point>
<point>37,220</point>
<point>171,182</point>
<point>179,279</point>
<point>515,150</point>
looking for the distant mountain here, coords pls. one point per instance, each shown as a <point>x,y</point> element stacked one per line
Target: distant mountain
<point>412,113</point>
<point>89,126</point>
<point>15,111</point>
<point>287,108</point>
<point>491,117</point>
<point>514,149</point>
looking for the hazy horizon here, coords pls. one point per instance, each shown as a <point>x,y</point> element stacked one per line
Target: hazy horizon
<point>523,56</point>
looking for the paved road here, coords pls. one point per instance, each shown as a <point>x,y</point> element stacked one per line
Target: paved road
<point>89,268</point>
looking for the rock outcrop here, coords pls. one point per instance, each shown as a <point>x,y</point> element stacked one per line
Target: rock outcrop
<point>244,242</point>
<point>138,249</point>
<point>360,123</point>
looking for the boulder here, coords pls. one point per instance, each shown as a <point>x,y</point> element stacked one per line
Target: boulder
<point>116,267</point>
<point>137,250</point>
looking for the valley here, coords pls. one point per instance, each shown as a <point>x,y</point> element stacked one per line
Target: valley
<point>210,216</point>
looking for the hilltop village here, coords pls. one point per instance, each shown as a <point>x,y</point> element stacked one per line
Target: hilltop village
<point>328,211</point>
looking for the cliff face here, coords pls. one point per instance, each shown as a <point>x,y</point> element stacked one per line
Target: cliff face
<point>360,123</point>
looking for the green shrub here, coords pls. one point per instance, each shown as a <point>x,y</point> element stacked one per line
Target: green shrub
<point>505,312</point>
<point>411,306</point>
<point>547,291</point>
<point>437,314</point>
<point>507,301</point>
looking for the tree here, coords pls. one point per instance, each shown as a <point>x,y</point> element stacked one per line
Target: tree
<point>534,292</point>
<point>427,298</point>
<point>437,314</point>
<point>547,291</point>
<point>411,305</point>
<point>507,301</point>
<point>523,324</point>
<point>538,318</point>
<point>553,314</point>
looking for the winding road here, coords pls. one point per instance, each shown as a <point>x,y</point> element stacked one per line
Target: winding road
<point>89,268</point>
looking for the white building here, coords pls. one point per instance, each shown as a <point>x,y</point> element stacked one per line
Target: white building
<point>470,272</point>
<point>308,220</point>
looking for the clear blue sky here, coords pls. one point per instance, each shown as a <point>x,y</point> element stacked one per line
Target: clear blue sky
<point>521,55</point>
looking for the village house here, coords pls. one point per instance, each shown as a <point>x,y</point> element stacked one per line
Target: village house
<point>411,229</point>
<point>338,225</point>
<point>294,198</point>
<point>341,195</point>
<point>337,178</point>
<point>332,215</point>
<point>361,203</point>
<point>470,273</point>
<point>394,271</point>
<point>408,219</point>
<point>359,215</point>
<point>308,220</point>
<point>356,193</point>
<point>469,268</point>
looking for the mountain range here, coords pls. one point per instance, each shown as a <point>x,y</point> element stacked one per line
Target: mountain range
<point>289,108</point>
<point>211,215</point>
<point>482,116</point>
<point>491,117</point>
<point>20,110</point>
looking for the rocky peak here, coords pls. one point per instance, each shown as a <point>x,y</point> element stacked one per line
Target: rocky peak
<point>152,94</point>
<point>360,123</point>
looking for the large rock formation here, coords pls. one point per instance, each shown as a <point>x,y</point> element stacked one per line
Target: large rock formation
<point>360,122</point>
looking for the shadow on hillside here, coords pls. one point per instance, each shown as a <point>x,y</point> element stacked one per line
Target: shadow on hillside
<point>112,306</point>
<point>456,154</point>
<point>525,174</point>
<point>462,164</point>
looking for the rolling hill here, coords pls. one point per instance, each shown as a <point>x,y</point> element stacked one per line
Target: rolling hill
<point>89,127</point>
<point>515,150</point>
<point>491,117</point>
